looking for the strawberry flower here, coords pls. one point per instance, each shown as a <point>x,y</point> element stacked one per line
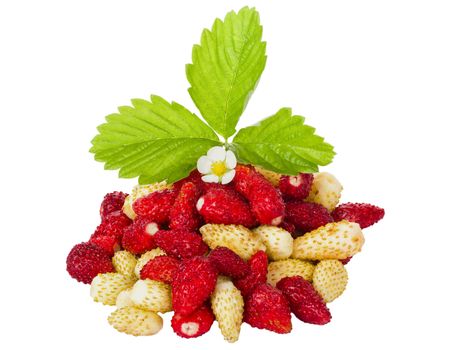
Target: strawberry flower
<point>218,166</point>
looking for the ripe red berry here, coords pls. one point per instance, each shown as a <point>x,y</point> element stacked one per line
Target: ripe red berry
<point>195,177</point>
<point>194,325</point>
<point>363,214</point>
<point>307,216</point>
<point>112,202</point>
<point>161,268</point>
<point>296,187</point>
<point>86,260</point>
<point>184,214</point>
<point>222,205</point>
<point>193,284</point>
<point>228,263</point>
<point>304,300</point>
<point>156,206</point>
<point>110,244</point>
<point>138,237</point>
<point>267,308</point>
<point>265,200</point>
<point>180,244</point>
<point>115,223</point>
<point>258,264</point>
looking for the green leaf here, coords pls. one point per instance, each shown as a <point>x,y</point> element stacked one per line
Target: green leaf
<point>283,143</point>
<point>154,140</point>
<point>226,68</point>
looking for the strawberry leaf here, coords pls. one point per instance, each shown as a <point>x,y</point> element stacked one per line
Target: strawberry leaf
<point>226,68</point>
<point>154,140</point>
<point>282,143</point>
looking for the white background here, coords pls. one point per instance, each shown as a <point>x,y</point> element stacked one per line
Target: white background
<point>375,78</point>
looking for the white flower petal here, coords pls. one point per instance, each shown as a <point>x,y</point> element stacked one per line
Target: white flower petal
<point>204,165</point>
<point>210,178</point>
<point>228,176</point>
<point>230,160</point>
<point>216,153</point>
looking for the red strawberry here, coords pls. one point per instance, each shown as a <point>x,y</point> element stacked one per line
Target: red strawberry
<point>86,260</point>
<point>161,268</point>
<point>183,214</point>
<point>193,325</point>
<point>228,263</point>
<point>110,244</point>
<point>267,308</point>
<point>307,216</point>
<point>112,202</point>
<point>193,284</point>
<point>156,206</point>
<point>138,238</point>
<point>195,177</point>
<point>115,223</point>
<point>296,187</point>
<point>288,226</point>
<point>180,244</point>
<point>266,201</point>
<point>363,214</point>
<point>221,205</point>
<point>346,260</point>
<point>304,301</point>
<point>259,268</point>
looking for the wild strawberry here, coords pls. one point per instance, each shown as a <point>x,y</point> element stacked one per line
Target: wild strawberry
<point>289,227</point>
<point>228,307</point>
<point>363,214</point>
<point>106,286</point>
<point>330,279</point>
<point>238,238</point>
<point>266,201</point>
<point>138,238</point>
<point>259,268</point>
<point>195,177</point>
<point>193,284</point>
<point>224,206</point>
<point>307,216</point>
<point>115,223</point>
<point>267,308</point>
<point>287,268</point>
<point>152,295</point>
<point>296,187</point>
<point>193,325</point>
<point>228,263</point>
<point>112,202</point>
<point>156,206</point>
<point>124,263</point>
<point>110,244</point>
<point>180,244</point>
<point>304,301</point>
<point>135,321</point>
<point>184,214</point>
<point>336,240</point>
<point>278,242</point>
<point>140,191</point>
<point>326,190</point>
<point>86,260</point>
<point>160,268</point>
<point>146,257</point>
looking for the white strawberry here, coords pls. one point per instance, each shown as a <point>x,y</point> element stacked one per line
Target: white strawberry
<point>228,306</point>
<point>277,270</point>
<point>278,242</point>
<point>238,238</point>
<point>124,299</point>
<point>330,279</point>
<point>106,287</point>
<point>326,190</point>
<point>336,240</point>
<point>152,295</point>
<point>135,321</point>
<point>124,262</point>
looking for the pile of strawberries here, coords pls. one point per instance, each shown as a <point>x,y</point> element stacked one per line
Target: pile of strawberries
<point>256,250</point>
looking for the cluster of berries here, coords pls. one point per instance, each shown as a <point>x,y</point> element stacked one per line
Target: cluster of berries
<point>254,251</point>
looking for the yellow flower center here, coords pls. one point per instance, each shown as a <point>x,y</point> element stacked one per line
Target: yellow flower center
<point>218,168</point>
